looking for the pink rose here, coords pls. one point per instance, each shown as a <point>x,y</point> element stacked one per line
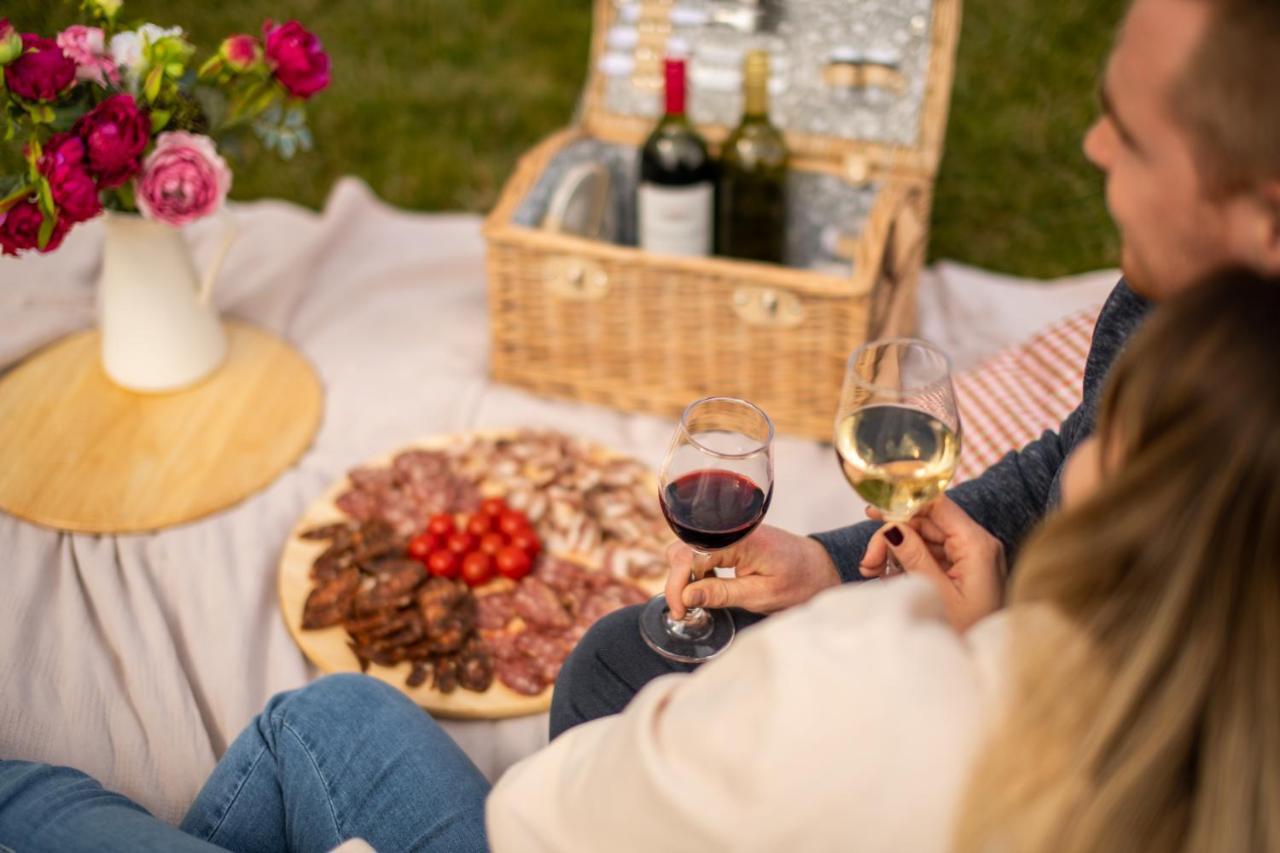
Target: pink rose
<point>182,180</point>
<point>241,52</point>
<point>42,73</point>
<point>10,42</point>
<point>74,192</point>
<point>20,229</point>
<point>297,58</point>
<point>86,47</point>
<point>115,132</point>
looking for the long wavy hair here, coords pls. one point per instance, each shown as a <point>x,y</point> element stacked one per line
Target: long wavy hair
<point>1144,710</point>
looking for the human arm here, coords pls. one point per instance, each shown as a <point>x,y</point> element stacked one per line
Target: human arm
<point>835,725</point>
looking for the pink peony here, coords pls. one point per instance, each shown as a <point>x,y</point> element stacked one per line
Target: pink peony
<point>241,52</point>
<point>74,192</point>
<point>297,58</point>
<point>87,48</point>
<point>20,229</point>
<point>115,132</point>
<point>42,73</point>
<point>182,180</point>
<point>10,42</point>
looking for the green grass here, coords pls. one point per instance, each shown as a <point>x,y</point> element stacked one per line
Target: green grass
<point>433,100</point>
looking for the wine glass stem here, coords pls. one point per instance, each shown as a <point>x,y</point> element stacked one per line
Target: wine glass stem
<point>697,620</point>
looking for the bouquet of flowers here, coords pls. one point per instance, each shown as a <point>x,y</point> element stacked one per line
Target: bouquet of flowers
<point>122,118</point>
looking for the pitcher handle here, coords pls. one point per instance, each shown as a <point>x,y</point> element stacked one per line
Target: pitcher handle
<point>230,229</point>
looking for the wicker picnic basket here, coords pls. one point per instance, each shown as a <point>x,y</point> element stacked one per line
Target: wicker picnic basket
<point>611,324</point>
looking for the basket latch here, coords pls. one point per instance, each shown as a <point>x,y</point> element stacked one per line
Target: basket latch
<point>576,278</point>
<point>767,306</point>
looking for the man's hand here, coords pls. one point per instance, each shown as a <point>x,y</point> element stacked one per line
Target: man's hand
<point>942,543</point>
<point>775,570</point>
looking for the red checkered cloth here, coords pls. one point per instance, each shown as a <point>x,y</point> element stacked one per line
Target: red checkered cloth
<point>1018,393</point>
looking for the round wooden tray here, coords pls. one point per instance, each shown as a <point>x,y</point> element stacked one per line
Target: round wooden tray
<point>327,647</point>
<point>84,454</point>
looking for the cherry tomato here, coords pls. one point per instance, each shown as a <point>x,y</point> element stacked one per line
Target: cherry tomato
<point>526,540</point>
<point>477,568</point>
<point>513,563</point>
<point>491,543</point>
<point>511,521</point>
<point>479,524</point>
<point>492,506</point>
<point>460,543</point>
<point>443,564</point>
<point>421,546</point>
<point>441,524</point>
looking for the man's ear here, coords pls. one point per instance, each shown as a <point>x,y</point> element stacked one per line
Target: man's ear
<point>1268,225</point>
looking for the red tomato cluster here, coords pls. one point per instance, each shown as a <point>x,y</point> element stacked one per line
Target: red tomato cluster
<point>494,540</point>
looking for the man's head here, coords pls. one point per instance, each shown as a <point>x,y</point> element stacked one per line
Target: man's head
<point>1189,139</point>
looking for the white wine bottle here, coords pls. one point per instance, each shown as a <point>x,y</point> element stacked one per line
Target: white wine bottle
<point>676,193</point>
<point>751,216</point>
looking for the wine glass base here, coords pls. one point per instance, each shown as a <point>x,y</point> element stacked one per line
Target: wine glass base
<point>653,628</point>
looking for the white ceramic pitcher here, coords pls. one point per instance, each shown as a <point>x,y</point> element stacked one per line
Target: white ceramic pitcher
<point>160,330</point>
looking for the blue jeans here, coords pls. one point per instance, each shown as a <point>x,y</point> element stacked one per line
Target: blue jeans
<point>344,757</point>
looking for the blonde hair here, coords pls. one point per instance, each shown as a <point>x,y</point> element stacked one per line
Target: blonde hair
<point>1145,704</point>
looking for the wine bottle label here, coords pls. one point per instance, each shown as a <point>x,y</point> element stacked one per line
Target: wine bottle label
<point>675,220</point>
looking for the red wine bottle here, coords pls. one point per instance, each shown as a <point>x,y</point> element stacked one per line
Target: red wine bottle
<point>676,193</point>
<point>710,510</point>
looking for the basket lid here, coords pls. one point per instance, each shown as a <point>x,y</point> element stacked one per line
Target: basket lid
<point>857,85</point>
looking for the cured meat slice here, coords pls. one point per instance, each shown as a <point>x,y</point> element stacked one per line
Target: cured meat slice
<point>330,602</point>
<point>521,675</point>
<point>538,604</point>
<point>495,610</point>
<point>558,574</point>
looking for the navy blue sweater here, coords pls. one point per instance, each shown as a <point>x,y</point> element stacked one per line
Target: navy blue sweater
<point>1011,497</point>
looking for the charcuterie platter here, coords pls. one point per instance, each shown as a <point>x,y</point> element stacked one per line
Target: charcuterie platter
<point>464,568</point>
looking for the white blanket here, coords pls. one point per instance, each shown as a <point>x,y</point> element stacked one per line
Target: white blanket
<point>139,658</point>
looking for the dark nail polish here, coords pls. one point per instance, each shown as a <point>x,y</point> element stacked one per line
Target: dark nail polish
<point>894,535</point>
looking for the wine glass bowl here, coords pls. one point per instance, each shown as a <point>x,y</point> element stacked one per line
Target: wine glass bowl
<point>714,489</point>
<point>897,430</point>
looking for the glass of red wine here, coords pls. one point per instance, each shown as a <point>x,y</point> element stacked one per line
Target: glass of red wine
<point>715,487</point>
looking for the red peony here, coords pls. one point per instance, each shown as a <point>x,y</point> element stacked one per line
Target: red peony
<point>20,229</point>
<point>74,192</point>
<point>115,132</point>
<point>42,72</point>
<point>296,57</point>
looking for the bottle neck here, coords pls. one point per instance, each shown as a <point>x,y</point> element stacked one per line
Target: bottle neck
<point>755,86</point>
<point>675,87</point>
<point>755,104</point>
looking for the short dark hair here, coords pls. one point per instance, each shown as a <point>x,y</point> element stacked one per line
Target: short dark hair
<point>1228,96</point>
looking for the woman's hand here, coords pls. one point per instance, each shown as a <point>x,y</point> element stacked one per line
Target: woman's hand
<point>942,543</point>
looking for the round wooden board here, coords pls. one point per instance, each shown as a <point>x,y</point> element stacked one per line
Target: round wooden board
<point>85,454</point>
<point>327,648</point>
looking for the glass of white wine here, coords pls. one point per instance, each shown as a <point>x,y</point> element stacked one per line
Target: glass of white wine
<point>898,427</point>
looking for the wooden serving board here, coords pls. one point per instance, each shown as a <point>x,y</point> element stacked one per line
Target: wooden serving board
<point>327,647</point>
<point>84,454</point>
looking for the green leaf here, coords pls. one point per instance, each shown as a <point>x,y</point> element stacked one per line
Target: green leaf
<point>127,201</point>
<point>16,196</point>
<point>45,195</point>
<point>40,113</point>
<point>210,68</point>
<point>65,117</point>
<point>159,118</point>
<point>151,89</point>
<point>46,230</point>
